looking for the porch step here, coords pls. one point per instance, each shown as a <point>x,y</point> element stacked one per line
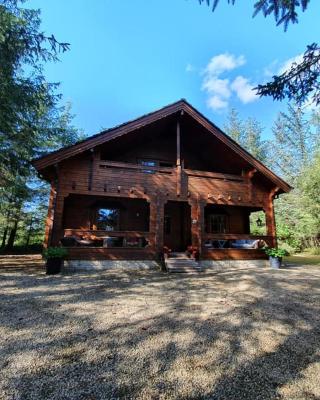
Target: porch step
<point>179,262</point>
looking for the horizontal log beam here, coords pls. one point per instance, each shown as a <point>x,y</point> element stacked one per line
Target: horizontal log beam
<point>214,175</point>
<point>99,233</point>
<point>132,166</point>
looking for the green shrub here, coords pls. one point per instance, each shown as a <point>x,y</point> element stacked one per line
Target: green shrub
<point>55,252</point>
<point>315,251</point>
<point>288,248</point>
<point>275,252</point>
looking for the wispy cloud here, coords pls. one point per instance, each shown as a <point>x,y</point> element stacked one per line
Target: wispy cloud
<point>244,89</point>
<point>222,63</point>
<point>277,68</point>
<point>220,90</point>
<point>288,64</point>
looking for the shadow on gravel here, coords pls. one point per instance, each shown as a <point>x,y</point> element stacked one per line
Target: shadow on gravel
<point>236,334</point>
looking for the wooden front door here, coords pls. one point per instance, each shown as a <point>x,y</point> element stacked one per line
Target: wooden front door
<point>177,225</point>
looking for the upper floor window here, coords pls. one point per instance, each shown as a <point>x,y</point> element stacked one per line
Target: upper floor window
<point>148,163</point>
<point>108,219</point>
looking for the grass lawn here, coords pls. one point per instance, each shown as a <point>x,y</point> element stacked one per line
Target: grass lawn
<point>303,258</point>
<point>235,334</point>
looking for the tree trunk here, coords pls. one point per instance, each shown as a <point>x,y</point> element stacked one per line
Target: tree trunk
<point>29,232</point>
<point>12,236</point>
<point>4,238</point>
<point>5,233</point>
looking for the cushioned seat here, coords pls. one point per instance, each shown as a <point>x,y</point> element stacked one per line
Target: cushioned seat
<point>245,244</point>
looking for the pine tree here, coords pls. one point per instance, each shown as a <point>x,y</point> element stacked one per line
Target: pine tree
<point>234,126</point>
<point>31,123</point>
<point>294,143</point>
<point>253,141</point>
<point>246,133</point>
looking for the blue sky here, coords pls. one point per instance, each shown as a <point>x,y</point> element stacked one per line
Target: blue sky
<point>128,57</point>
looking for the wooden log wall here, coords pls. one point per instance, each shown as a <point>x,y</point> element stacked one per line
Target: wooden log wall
<point>89,175</point>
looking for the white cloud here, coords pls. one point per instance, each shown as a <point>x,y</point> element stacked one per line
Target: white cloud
<point>288,64</point>
<point>216,103</point>
<point>220,90</point>
<point>243,88</point>
<point>270,69</point>
<point>222,63</point>
<point>217,86</point>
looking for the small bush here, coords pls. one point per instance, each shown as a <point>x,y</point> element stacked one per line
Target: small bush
<point>55,252</point>
<point>274,252</point>
<point>288,248</point>
<point>315,251</point>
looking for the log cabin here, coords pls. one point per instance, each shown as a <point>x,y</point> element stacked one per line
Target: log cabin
<point>161,183</point>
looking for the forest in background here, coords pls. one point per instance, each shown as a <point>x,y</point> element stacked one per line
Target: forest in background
<point>33,122</point>
<point>292,152</point>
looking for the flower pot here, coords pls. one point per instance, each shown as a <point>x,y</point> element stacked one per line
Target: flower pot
<point>275,262</point>
<point>53,265</point>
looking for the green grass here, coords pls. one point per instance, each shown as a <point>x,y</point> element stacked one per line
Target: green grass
<point>303,258</point>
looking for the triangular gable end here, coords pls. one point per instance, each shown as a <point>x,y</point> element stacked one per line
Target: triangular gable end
<point>131,126</point>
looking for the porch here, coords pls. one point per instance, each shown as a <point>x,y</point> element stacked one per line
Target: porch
<point>119,228</point>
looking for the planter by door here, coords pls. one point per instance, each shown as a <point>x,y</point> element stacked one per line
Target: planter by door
<point>53,265</point>
<point>275,262</point>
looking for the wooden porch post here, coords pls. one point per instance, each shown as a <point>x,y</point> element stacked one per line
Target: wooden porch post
<point>197,222</point>
<point>156,222</point>
<point>178,162</point>
<point>50,216</point>
<point>270,217</point>
<point>57,232</point>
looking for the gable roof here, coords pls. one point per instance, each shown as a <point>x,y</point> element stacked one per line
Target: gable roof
<point>123,129</point>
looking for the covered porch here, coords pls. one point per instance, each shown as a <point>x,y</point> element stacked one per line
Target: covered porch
<point>115,227</point>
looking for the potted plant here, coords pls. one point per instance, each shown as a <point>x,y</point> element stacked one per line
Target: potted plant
<point>275,256</point>
<point>54,257</point>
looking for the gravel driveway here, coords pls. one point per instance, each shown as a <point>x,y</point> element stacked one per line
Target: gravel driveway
<point>233,334</point>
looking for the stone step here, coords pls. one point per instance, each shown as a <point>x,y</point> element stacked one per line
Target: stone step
<point>184,270</point>
<point>183,264</point>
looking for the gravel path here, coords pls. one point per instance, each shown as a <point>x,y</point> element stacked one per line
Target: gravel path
<point>237,334</point>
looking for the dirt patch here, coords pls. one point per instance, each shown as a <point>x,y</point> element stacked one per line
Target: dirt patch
<point>236,334</point>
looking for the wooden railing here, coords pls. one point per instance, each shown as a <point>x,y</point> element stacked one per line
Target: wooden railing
<point>135,167</point>
<point>224,239</point>
<point>98,236</point>
<point>102,234</point>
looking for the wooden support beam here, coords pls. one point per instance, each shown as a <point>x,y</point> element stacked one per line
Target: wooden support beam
<point>156,222</point>
<point>50,216</point>
<point>178,144</point>
<point>197,222</point>
<point>179,179</point>
<point>57,228</point>
<point>91,163</point>
<point>270,216</point>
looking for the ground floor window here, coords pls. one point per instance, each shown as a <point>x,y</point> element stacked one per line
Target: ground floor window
<point>108,219</point>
